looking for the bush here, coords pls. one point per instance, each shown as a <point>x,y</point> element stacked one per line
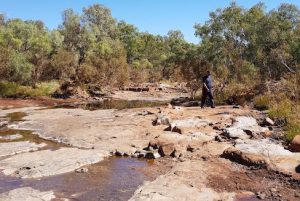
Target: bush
<point>262,102</point>
<point>283,110</point>
<point>14,90</point>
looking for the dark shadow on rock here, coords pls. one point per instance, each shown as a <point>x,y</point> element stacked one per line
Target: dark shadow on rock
<point>297,169</point>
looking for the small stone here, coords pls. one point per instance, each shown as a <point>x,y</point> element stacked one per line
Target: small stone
<point>261,195</point>
<point>268,122</point>
<point>141,155</point>
<point>81,170</point>
<point>167,150</point>
<point>118,153</point>
<point>190,149</point>
<point>297,194</point>
<point>135,155</point>
<point>205,158</point>
<point>218,138</point>
<point>152,155</point>
<point>161,120</point>
<point>273,190</point>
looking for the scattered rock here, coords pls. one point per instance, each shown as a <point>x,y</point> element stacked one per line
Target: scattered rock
<point>81,170</point>
<point>295,144</point>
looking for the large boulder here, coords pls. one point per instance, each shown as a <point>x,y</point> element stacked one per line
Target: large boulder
<point>264,152</point>
<point>295,144</point>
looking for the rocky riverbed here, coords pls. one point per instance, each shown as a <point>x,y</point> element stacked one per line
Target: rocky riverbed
<point>169,152</point>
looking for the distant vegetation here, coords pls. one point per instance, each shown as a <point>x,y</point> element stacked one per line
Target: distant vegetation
<point>245,48</point>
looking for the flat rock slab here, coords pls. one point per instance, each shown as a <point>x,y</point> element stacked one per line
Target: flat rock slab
<point>12,148</point>
<point>186,181</point>
<point>47,163</point>
<point>11,137</point>
<point>27,194</point>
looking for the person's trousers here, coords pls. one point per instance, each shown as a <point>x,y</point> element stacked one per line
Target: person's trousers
<point>205,95</point>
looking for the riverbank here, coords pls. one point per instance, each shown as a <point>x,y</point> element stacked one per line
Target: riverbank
<point>225,153</point>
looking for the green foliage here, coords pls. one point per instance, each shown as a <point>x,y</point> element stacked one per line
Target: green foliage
<point>262,102</point>
<point>19,69</point>
<point>12,89</point>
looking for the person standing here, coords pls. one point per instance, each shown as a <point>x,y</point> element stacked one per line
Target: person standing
<point>207,90</point>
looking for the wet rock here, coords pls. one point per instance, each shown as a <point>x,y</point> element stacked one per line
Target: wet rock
<point>167,150</point>
<point>12,148</point>
<point>119,153</point>
<point>11,137</point>
<point>27,194</point>
<point>46,163</point>
<point>186,181</point>
<point>295,144</point>
<point>142,155</point>
<point>81,170</point>
<point>152,155</point>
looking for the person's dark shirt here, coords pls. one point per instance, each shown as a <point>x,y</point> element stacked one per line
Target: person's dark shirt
<point>207,79</point>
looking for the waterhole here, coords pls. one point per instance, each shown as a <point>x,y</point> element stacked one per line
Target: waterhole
<point>112,179</point>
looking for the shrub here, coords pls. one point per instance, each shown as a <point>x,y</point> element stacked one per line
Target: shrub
<point>262,102</point>
<point>14,90</point>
